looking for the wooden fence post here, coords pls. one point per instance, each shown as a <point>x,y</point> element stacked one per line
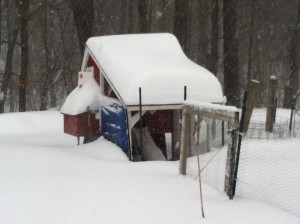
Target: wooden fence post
<point>272,86</point>
<point>184,143</point>
<point>253,91</point>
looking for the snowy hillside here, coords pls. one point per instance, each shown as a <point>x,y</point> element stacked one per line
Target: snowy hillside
<point>46,178</point>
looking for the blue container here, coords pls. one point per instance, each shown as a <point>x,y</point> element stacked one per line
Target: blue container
<point>113,125</point>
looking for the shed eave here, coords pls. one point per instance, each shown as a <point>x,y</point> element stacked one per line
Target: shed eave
<point>177,106</point>
<point>104,74</point>
<point>154,107</point>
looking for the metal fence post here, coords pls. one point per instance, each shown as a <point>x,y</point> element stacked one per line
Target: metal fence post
<point>239,143</point>
<point>292,112</point>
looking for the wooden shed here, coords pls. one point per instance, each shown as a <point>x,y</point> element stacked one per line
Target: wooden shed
<point>154,65</point>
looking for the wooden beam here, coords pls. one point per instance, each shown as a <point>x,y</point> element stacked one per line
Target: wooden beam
<point>216,114</point>
<point>253,91</point>
<point>272,86</point>
<point>155,107</point>
<point>176,135</point>
<point>184,143</point>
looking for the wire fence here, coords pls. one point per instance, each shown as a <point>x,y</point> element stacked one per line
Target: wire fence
<point>269,171</point>
<point>214,168</point>
<point>213,157</point>
<point>285,125</point>
<point>269,164</point>
<point>257,128</point>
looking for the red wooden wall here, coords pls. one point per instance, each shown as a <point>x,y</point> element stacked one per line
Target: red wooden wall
<point>78,125</point>
<point>159,122</point>
<point>91,63</point>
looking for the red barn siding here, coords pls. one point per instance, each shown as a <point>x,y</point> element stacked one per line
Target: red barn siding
<point>77,125</point>
<point>159,122</point>
<point>91,63</point>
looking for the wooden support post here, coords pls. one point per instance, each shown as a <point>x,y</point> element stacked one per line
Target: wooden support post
<point>128,115</point>
<point>176,135</point>
<point>184,143</point>
<point>198,160</point>
<point>141,122</point>
<point>253,91</point>
<point>272,86</point>
<point>190,129</point>
<point>233,165</point>
<point>209,135</point>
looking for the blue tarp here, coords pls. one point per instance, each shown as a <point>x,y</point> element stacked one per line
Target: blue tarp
<point>113,125</point>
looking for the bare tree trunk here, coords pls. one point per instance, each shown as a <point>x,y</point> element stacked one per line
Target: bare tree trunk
<point>0,25</point>
<point>231,66</point>
<point>98,18</point>
<point>84,20</point>
<point>181,23</point>
<point>214,37</point>
<point>157,23</point>
<point>293,82</point>
<point>8,65</point>
<point>249,72</point>
<point>23,6</point>
<point>130,16</point>
<point>144,16</point>
<point>46,83</point>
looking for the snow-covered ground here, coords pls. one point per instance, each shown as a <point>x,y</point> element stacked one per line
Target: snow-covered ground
<point>46,178</point>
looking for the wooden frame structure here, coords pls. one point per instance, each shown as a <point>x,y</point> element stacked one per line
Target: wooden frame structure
<point>207,110</point>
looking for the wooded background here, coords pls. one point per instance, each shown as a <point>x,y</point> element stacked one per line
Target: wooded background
<point>42,43</point>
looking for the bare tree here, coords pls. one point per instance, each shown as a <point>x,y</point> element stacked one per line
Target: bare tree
<point>84,20</point>
<point>214,52</point>
<point>293,82</point>
<point>8,65</point>
<point>231,66</point>
<point>47,65</point>
<point>144,15</point>
<point>23,6</point>
<point>181,23</point>
<point>0,24</point>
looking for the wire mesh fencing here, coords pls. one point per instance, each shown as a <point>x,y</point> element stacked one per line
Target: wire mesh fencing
<point>214,137</point>
<point>286,124</point>
<point>295,126</point>
<point>265,165</point>
<point>269,171</point>
<point>213,168</point>
<point>269,163</point>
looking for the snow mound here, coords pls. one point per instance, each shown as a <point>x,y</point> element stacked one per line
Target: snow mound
<point>89,95</point>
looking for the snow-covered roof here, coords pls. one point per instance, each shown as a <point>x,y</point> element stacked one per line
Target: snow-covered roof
<point>157,64</point>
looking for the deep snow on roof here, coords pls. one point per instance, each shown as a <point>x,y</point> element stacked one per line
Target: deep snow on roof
<point>157,64</point>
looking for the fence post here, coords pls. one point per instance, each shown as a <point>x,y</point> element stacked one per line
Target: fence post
<point>253,91</point>
<point>223,133</point>
<point>184,143</point>
<point>239,144</point>
<point>271,103</point>
<point>292,112</point>
<point>231,180</point>
<point>141,122</point>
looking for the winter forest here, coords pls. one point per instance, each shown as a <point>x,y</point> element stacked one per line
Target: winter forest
<point>42,43</point>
